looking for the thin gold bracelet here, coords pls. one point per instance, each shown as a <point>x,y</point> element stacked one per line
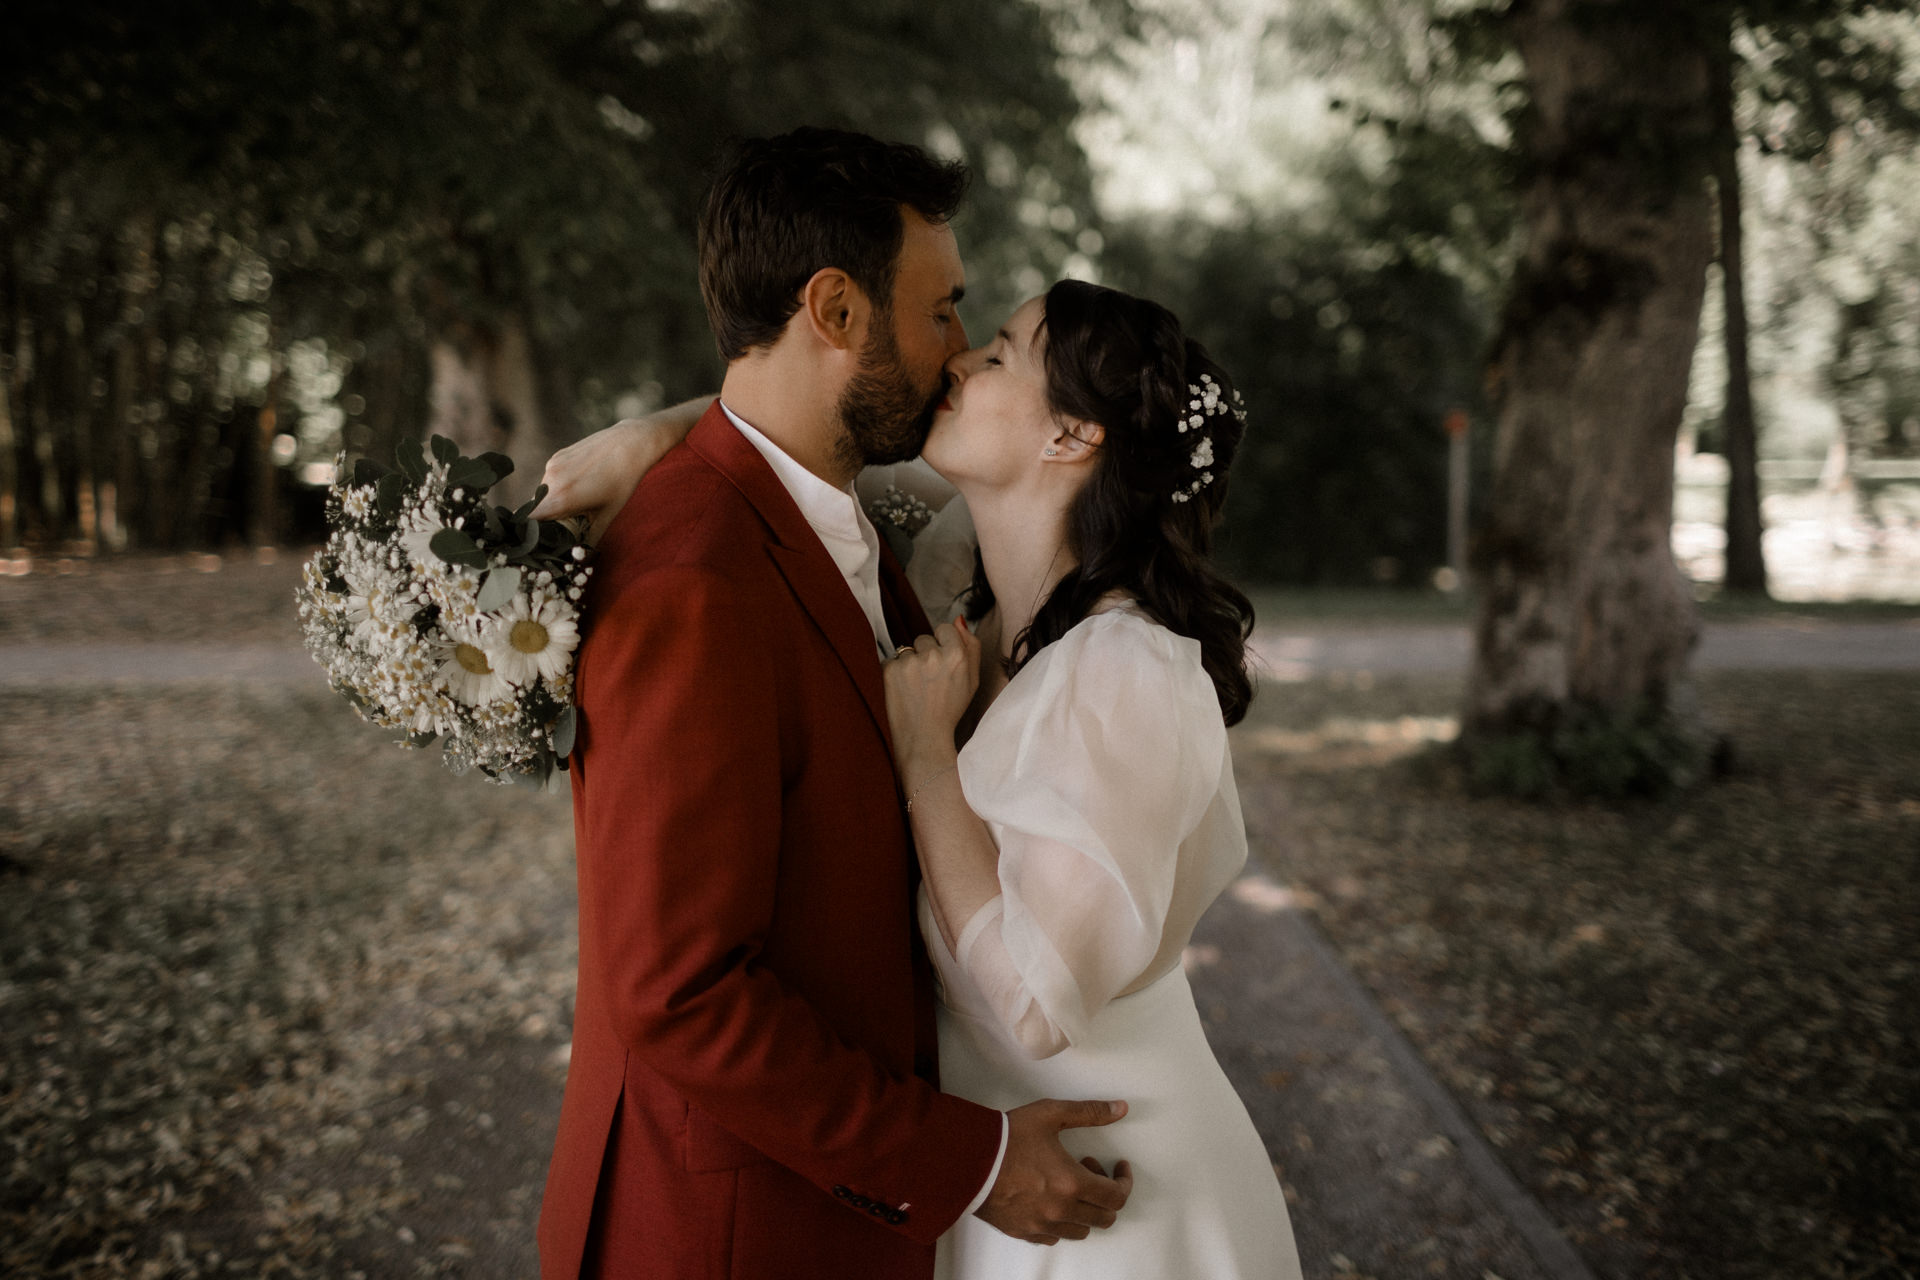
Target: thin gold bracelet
<point>929,782</point>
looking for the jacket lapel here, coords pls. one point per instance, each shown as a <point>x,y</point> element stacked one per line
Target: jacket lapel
<point>801,558</point>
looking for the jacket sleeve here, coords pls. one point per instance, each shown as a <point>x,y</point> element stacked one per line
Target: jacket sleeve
<point>681,824</point>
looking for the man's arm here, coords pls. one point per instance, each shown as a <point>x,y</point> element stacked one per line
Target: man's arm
<point>681,835</point>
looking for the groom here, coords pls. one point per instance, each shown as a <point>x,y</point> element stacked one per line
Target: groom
<point>752,1088</point>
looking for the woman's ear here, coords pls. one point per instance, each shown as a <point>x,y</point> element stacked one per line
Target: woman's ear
<point>835,309</point>
<point>1075,441</point>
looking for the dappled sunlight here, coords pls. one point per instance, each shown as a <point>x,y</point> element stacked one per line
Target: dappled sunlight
<point>1263,894</point>
<point>1405,732</point>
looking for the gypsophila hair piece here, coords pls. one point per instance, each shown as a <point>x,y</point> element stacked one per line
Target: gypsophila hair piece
<point>1205,402</point>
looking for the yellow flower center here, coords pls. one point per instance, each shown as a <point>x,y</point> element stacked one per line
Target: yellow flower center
<point>528,636</point>
<point>473,659</point>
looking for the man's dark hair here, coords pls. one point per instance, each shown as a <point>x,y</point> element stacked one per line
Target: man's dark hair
<point>785,208</point>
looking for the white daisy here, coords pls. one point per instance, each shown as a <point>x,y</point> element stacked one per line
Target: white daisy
<point>532,637</point>
<point>417,528</point>
<point>465,666</point>
<point>358,503</point>
<point>374,604</point>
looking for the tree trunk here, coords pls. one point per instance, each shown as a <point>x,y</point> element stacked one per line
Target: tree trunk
<point>137,281</point>
<point>15,320</point>
<point>486,395</point>
<point>1584,616</point>
<point>263,516</point>
<point>1746,566</point>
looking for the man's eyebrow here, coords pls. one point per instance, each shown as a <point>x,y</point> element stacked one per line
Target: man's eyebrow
<point>959,292</point>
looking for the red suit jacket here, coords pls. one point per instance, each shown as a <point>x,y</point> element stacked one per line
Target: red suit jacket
<point>752,1088</point>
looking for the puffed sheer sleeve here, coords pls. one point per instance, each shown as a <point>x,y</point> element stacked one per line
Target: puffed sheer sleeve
<point>913,477</point>
<point>1090,783</point>
<point>942,566</point>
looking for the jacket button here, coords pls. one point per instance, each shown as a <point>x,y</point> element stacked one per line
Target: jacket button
<point>896,1217</point>
<point>861,1202</point>
<point>842,1192</point>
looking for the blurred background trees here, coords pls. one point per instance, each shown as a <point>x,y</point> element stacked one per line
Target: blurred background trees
<point>238,238</point>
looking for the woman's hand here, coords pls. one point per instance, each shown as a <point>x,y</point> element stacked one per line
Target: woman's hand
<point>929,687</point>
<point>595,476</point>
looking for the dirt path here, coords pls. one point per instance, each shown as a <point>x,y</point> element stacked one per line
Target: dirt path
<point>1290,654</point>
<point>1287,655</point>
<point>1300,653</point>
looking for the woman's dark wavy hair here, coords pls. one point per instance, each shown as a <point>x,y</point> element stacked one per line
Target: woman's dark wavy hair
<point>1126,364</point>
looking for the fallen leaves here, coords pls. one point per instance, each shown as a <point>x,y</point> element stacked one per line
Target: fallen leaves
<point>235,926</point>
<point>1687,1024</point>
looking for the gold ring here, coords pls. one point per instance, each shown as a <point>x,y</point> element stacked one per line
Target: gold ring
<point>904,650</point>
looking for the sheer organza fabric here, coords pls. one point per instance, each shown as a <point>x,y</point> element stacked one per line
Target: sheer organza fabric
<point>1103,774</point>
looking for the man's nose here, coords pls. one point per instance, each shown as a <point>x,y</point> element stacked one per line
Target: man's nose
<point>956,366</point>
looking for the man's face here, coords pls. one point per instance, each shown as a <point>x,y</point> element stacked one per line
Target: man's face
<point>888,406</point>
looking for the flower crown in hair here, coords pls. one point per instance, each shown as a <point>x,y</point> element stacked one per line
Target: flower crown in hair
<point>1205,402</point>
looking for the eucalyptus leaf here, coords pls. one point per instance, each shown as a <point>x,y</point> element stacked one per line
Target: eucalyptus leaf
<point>411,459</point>
<point>499,463</point>
<point>389,494</point>
<point>529,540</point>
<point>367,471</point>
<point>496,528</point>
<point>471,474</point>
<point>445,451</point>
<point>898,540</point>
<point>500,586</point>
<point>538,773</point>
<point>526,508</point>
<point>564,730</point>
<point>455,547</point>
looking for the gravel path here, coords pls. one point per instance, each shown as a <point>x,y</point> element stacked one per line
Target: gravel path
<point>1300,653</point>
<point>1384,1175</point>
<point>1289,654</point>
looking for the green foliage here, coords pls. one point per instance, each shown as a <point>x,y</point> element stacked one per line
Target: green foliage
<point>1579,749</point>
<point>208,186</point>
<point>1348,365</point>
<point>1341,233</point>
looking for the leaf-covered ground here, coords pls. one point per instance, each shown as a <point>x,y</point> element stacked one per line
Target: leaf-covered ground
<point>277,998</point>
<point>1690,1026</point>
<point>241,937</point>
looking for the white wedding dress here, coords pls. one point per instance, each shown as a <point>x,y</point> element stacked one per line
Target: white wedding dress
<point>1103,772</point>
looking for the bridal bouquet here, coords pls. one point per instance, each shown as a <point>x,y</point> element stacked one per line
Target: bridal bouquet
<point>444,616</point>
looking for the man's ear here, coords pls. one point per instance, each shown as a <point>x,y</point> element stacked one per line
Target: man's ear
<point>835,308</point>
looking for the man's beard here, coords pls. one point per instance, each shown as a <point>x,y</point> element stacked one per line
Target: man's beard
<point>886,417</point>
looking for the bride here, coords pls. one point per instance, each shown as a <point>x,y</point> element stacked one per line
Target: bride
<point>1063,747</point>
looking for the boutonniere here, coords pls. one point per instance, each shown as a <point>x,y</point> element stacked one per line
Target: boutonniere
<point>899,517</point>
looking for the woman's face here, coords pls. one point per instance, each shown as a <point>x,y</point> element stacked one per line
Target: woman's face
<point>995,424</point>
